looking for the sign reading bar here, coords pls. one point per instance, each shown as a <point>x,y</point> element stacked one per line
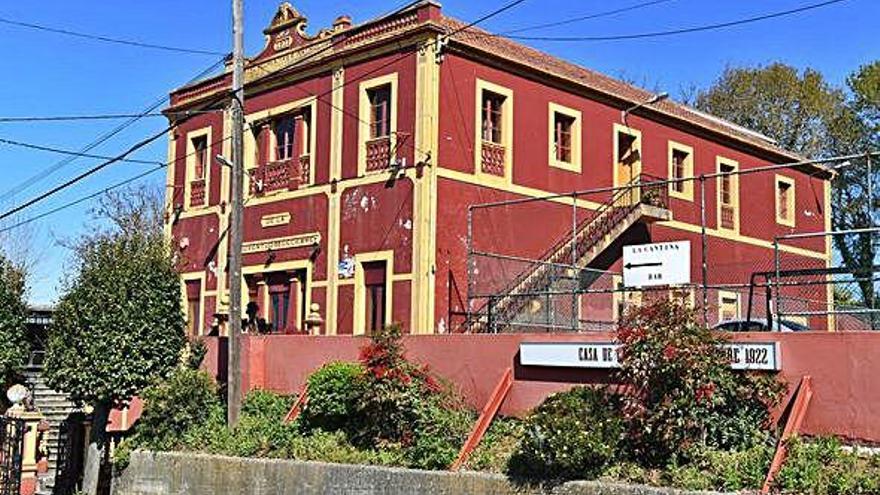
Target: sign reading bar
<point>279,243</point>
<point>660,263</point>
<point>603,355</point>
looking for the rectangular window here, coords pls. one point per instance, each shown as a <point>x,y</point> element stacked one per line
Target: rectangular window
<point>284,130</point>
<point>375,294</point>
<point>728,194</point>
<point>681,166</point>
<point>785,209</point>
<point>728,306</point>
<point>492,107</point>
<point>193,307</point>
<point>200,154</point>
<point>562,140</point>
<point>380,111</point>
<point>727,185</point>
<point>564,131</point>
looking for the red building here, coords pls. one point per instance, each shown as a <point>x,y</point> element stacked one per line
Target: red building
<point>365,144</point>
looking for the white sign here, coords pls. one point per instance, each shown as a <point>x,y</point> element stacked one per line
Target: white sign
<point>661,263</point>
<point>603,355</point>
<point>569,355</point>
<point>279,243</point>
<point>754,356</point>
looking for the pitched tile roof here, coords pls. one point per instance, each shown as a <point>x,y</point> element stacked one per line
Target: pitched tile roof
<point>505,48</point>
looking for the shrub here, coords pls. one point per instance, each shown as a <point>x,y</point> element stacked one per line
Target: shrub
<point>185,400</point>
<point>710,469</point>
<point>439,432</point>
<point>196,351</point>
<point>334,392</point>
<point>13,312</point>
<point>681,391</point>
<point>572,435</point>
<point>497,446</point>
<point>334,447</point>
<point>821,467</point>
<point>388,404</point>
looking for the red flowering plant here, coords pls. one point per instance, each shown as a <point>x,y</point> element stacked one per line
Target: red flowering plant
<point>680,390</point>
<point>402,404</point>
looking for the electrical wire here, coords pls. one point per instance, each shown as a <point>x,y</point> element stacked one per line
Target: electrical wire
<point>585,17</point>
<point>117,185</point>
<point>156,136</point>
<point>51,149</point>
<point>672,32</point>
<point>48,171</point>
<point>74,118</point>
<point>107,39</point>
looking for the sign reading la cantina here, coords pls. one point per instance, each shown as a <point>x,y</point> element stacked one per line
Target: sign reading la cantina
<point>743,355</point>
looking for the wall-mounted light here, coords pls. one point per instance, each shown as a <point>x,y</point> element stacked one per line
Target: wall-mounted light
<point>654,99</point>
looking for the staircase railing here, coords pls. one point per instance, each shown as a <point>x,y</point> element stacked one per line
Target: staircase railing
<point>643,189</point>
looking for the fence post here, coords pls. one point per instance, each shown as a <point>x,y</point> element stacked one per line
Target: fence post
<point>777,307</point>
<point>574,252</point>
<point>703,250</point>
<point>490,318</point>
<point>23,428</point>
<point>469,263</point>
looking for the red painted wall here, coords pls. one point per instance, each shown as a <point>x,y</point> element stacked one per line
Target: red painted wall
<point>843,366</point>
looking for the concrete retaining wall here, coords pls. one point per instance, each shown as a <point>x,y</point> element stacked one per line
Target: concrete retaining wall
<point>192,474</point>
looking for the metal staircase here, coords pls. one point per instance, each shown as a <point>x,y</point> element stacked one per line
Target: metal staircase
<point>645,200</point>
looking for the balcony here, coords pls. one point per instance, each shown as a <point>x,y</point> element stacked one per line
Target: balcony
<point>197,193</point>
<point>492,158</point>
<point>378,154</point>
<point>305,169</point>
<point>275,176</point>
<point>728,217</point>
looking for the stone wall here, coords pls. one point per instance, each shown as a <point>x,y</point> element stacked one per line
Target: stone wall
<point>195,474</point>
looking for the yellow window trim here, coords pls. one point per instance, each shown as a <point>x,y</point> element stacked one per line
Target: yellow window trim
<point>194,277</point>
<point>190,161</point>
<point>734,185</point>
<point>360,323</point>
<point>726,294</point>
<point>684,294</point>
<point>285,266</point>
<point>250,140</point>
<point>782,179</point>
<point>637,145</point>
<point>687,192</point>
<point>575,164</point>
<point>364,117</point>
<point>506,131</point>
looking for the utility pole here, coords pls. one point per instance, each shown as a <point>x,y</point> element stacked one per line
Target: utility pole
<point>233,392</point>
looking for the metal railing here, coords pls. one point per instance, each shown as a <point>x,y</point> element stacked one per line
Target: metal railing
<point>504,280</point>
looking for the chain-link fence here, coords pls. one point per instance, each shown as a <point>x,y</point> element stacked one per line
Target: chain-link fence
<point>762,252</point>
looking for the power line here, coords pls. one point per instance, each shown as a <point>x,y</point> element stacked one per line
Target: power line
<point>48,171</point>
<point>82,199</point>
<point>486,17</point>
<point>584,17</point>
<point>51,149</point>
<point>106,189</point>
<point>695,29</point>
<point>109,116</point>
<point>83,175</point>
<point>106,39</point>
<point>158,135</point>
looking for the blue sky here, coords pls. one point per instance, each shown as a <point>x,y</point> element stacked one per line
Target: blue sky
<point>52,74</point>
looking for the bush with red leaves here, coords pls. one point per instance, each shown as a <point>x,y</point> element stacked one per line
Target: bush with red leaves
<point>680,392</point>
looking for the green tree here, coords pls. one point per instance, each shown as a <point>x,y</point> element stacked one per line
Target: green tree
<point>119,325</point>
<point>806,114</point>
<point>13,311</point>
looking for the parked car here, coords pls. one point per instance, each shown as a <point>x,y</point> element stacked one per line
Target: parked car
<point>759,325</point>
